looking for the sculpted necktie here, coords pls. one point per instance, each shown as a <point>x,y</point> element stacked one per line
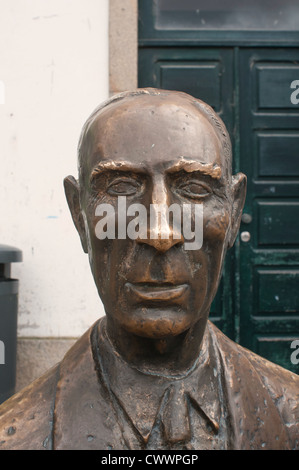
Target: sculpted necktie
<point>176,422</point>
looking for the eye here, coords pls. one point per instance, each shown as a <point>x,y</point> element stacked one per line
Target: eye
<point>194,189</point>
<point>123,186</point>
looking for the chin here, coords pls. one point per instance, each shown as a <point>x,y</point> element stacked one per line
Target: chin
<point>158,322</point>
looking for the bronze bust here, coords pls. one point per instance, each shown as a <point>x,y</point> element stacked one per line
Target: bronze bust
<point>155,373</point>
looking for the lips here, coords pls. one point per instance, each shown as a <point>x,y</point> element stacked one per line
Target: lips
<point>150,292</point>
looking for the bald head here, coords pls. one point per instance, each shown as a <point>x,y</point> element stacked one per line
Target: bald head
<point>150,117</point>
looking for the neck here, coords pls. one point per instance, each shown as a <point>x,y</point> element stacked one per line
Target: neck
<point>168,356</point>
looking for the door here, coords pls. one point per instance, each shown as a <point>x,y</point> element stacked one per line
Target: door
<point>269,245</point>
<point>246,77</point>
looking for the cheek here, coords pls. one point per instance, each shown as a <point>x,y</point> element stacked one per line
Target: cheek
<point>216,229</point>
<point>110,260</point>
<point>209,259</point>
<point>98,252</point>
<point>215,226</point>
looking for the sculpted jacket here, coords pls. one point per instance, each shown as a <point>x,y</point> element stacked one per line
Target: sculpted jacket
<point>92,399</point>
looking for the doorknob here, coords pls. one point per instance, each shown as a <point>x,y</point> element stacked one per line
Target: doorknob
<point>246,218</point>
<point>245,236</point>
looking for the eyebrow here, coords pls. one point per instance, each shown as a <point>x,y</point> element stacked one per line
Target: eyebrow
<point>190,166</point>
<point>103,167</point>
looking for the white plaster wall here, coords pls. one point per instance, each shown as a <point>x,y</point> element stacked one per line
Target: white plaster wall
<point>54,65</point>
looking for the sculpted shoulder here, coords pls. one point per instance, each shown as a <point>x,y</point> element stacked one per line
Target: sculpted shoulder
<point>283,387</point>
<point>26,419</point>
<point>261,382</point>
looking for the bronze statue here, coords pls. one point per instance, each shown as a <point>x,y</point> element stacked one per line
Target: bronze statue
<point>155,373</point>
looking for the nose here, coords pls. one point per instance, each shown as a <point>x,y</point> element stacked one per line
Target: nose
<point>160,233</point>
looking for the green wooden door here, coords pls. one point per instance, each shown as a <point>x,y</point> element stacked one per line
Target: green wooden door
<point>249,86</point>
<point>269,155</point>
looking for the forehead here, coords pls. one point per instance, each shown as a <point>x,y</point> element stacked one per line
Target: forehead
<point>152,132</point>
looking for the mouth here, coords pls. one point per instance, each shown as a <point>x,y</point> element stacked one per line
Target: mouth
<point>157,292</point>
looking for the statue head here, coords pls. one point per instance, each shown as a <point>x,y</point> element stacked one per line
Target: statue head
<point>148,150</point>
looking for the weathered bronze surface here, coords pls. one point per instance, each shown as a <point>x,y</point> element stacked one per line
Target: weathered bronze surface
<point>155,373</point>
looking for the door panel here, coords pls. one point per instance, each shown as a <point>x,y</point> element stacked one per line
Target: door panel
<point>269,156</point>
<point>276,291</point>
<point>206,74</point>
<point>272,84</point>
<point>277,154</point>
<point>275,347</point>
<point>192,77</point>
<point>277,223</point>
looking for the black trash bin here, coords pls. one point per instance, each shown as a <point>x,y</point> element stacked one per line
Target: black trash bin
<point>9,289</point>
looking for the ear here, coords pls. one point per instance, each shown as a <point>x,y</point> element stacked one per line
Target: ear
<point>71,188</point>
<point>239,183</point>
